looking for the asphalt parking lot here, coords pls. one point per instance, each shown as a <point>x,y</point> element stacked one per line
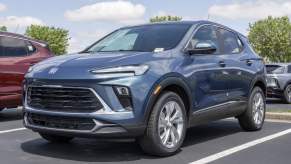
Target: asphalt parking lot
<point>219,142</point>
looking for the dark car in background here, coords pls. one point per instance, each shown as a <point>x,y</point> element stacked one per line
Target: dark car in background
<point>17,54</point>
<point>279,81</point>
<point>151,82</point>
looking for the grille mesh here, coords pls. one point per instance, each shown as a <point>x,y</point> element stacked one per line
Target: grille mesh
<point>76,100</point>
<point>70,123</point>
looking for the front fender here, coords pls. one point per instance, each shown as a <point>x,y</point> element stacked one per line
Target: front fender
<point>165,81</point>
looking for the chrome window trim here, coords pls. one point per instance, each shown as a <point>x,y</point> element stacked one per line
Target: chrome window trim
<point>184,49</point>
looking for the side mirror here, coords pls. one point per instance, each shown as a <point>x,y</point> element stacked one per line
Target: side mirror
<point>203,48</point>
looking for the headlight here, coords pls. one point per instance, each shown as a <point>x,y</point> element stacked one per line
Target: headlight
<point>271,82</point>
<point>30,69</point>
<point>122,71</point>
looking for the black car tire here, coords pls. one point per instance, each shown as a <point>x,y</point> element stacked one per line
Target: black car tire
<point>55,138</point>
<point>247,119</point>
<point>287,93</point>
<point>151,142</point>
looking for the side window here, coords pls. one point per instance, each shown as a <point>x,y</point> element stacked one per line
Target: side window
<point>231,44</point>
<point>205,34</point>
<point>289,68</point>
<point>12,47</point>
<point>30,48</point>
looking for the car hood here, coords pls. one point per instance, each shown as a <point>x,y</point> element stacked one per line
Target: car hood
<point>78,65</point>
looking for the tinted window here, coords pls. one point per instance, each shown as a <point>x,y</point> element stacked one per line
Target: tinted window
<point>274,69</point>
<point>12,47</point>
<point>143,38</point>
<point>289,69</point>
<point>205,34</point>
<point>230,42</point>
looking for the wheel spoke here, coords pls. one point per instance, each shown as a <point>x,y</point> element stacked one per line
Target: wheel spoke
<point>170,125</point>
<point>175,132</point>
<point>167,136</point>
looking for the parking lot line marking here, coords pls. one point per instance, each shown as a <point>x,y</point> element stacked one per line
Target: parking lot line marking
<point>233,150</point>
<point>11,130</point>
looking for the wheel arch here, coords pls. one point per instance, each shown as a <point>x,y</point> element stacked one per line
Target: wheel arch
<point>259,82</point>
<point>175,83</point>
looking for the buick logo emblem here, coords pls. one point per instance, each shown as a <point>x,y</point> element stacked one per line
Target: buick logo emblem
<point>53,70</point>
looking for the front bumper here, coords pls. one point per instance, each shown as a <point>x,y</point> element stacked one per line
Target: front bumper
<point>273,92</point>
<point>112,121</point>
<point>100,129</point>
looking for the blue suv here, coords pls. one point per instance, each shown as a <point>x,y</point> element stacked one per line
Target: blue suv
<point>150,82</point>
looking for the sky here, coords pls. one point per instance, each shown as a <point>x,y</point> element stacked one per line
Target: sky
<point>89,20</point>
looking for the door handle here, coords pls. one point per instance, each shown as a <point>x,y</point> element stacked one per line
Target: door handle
<point>221,63</point>
<point>249,62</point>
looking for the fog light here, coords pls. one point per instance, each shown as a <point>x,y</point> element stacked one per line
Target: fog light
<point>124,96</point>
<point>122,91</point>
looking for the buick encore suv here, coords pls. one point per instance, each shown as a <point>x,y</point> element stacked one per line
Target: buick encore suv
<point>150,82</point>
<point>17,54</point>
<point>279,81</point>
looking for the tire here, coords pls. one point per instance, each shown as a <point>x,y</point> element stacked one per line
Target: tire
<point>1,109</point>
<point>287,94</point>
<point>254,117</point>
<point>160,125</point>
<point>55,138</point>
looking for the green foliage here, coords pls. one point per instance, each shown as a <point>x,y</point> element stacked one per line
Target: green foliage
<point>57,38</point>
<point>271,38</point>
<point>3,28</point>
<point>165,18</point>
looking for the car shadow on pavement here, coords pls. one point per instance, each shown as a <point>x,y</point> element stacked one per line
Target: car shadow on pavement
<point>87,150</point>
<point>10,115</point>
<point>274,101</point>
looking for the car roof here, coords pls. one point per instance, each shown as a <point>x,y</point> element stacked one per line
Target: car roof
<point>197,22</point>
<point>9,34</point>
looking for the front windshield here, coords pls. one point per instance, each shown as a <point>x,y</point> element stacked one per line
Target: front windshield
<point>274,69</point>
<point>146,38</point>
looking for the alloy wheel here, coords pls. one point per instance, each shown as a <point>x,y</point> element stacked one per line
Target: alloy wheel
<point>258,108</point>
<point>170,124</point>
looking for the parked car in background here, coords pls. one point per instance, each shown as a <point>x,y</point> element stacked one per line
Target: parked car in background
<point>279,81</point>
<point>151,82</point>
<point>17,54</point>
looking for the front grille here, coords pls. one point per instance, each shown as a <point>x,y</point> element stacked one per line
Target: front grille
<point>56,122</point>
<point>76,100</point>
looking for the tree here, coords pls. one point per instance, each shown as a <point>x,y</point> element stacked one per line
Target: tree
<point>3,28</point>
<point>271,38</point>
<point>57,38</point>
<point>165,18</point>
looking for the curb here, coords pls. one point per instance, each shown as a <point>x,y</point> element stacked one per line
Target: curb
<point>278,116</point>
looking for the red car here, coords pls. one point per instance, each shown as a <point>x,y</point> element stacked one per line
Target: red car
<point>17,54</point>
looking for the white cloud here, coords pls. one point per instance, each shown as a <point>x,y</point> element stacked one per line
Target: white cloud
<point>2,7</point>
<point>116,11</point>
<point>14,21</point>
<point>84,39</point>
<point>255,9</point>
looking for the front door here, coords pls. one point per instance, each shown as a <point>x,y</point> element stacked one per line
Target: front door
<point>209,77</point>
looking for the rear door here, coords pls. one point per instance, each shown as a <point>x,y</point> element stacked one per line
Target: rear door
<point>240,67</point>
<point>14,62</point>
